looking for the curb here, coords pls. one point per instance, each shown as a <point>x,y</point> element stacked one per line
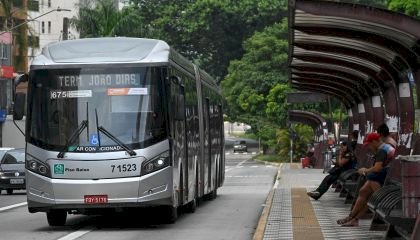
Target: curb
<point>259,231</point>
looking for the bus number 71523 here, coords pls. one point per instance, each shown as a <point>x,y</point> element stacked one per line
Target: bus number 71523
<point>124,168</point>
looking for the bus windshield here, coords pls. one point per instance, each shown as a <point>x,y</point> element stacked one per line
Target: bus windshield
<point>127,102</point>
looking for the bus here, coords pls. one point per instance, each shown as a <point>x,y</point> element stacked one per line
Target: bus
<point>120,123</point>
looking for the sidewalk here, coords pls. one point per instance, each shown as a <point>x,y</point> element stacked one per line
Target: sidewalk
<point>291,214</point>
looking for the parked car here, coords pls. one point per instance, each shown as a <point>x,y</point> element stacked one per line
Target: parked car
<point>240,146</point>
<point>3,151</point>
<point>12,170</point>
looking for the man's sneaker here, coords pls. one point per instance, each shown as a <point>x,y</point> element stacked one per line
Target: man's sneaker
<point>314,194</point>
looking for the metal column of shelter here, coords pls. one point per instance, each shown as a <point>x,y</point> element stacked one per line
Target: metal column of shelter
<point>319,126</point>
<point>362,56</point>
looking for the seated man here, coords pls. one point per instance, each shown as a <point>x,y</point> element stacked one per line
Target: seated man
<point>375,177</point>
<point>383,130</point>
<point>345,162</point>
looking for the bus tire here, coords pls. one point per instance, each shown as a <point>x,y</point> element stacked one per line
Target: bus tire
<point>213,194</point>
<point>191,206</point>
<point>171,214</point>
<point>56,217</point>
<point>9,191</point>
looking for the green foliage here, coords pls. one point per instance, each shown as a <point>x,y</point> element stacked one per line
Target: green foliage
<point>104,20</point>
<point>207,31</point>
<point>276,109</point>
<point>304,137</point>
<point>216,29</point>
<point>272,158</point>
<point>256,86</point>
<point>409,7</point>
<point>336,115</point>
<point>373,3</point>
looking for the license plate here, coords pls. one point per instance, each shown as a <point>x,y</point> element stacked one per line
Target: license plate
<point>17,181</point>
<point>96,199</point>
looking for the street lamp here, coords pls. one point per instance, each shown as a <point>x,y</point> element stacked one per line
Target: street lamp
<point>32,19</point>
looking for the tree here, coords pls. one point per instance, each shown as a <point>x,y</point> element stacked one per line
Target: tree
<point>210,32</point>
<point>409,7</point>
<point>103,19</point>
<point>373,3</point>
<point>257,82</point>
<point>303,137</point>
<point>256,85</point>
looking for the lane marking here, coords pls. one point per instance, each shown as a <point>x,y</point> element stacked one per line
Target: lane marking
<point>237,165</point>
<point>13,206</point>
<point>77,234</point>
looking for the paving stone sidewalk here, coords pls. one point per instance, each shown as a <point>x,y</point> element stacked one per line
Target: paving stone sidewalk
<point>293,215</point>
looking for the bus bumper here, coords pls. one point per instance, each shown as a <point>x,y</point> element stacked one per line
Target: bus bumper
<point>44,193</point>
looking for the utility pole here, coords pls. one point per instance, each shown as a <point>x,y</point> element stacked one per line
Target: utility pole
<point>291,150</point>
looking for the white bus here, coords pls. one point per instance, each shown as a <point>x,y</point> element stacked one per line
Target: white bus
<point>119,123</point>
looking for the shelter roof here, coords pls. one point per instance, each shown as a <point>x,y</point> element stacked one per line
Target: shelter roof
<point>350,51</point>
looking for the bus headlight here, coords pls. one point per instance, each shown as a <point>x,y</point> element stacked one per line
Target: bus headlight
<point>36,166</point>
<point>155,164</point>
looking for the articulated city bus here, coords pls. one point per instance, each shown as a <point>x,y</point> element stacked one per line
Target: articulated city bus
<point>117,123</point>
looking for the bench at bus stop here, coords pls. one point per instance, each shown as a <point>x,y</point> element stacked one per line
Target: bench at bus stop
<point>396,205</point>
<point>349,182</point>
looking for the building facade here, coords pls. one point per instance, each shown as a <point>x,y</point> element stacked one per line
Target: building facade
<point>48,25</point>
<point>13,48</point>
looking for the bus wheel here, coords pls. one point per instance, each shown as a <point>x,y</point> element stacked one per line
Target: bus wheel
<point>213,194</point>
<point>171,214</point>
<point>9,191</point>
<point>56,217</point>
<point>191,206</point>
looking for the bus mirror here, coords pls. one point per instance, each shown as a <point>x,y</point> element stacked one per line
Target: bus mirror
<point>19,106</point>
<point>20,79</point>
<point>179,108</point>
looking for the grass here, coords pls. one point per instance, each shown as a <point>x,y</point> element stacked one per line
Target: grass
<point>271,158</point>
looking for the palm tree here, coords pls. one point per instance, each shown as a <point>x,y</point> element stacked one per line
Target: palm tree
<point>304,135</point>
<point>103,19</point>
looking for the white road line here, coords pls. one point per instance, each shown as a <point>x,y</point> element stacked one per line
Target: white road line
<point>13,206</point>
<point>237,166</point>
<point>77,234</point>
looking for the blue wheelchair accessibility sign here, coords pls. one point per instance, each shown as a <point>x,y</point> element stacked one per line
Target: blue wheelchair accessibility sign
<point>94,139</point>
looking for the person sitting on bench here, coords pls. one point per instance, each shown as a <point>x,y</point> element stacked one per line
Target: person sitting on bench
<point>375,177</point>
<point>383,130</point>
<point>345,162</point>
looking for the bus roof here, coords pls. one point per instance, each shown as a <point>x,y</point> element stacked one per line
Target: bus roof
<point>104,50</point>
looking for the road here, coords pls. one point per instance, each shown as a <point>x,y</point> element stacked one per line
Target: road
<point>232,215</point>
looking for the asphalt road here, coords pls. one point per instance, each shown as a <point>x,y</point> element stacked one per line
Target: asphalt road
<point>234,214</point>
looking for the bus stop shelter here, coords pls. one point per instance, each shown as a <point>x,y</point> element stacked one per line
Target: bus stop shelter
<point>367,58</point>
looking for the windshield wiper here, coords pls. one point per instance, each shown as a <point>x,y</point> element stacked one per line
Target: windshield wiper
<point>116,140</point>
<point>73,137</point>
